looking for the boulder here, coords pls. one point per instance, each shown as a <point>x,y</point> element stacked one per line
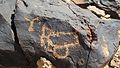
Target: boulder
<point>59,33</point>
<point>65,34</point>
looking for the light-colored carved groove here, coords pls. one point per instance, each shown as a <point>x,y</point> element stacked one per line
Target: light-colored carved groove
<point>61,56</point>
<point>30,29</point>
<point>45,38</point>
<point>52,47</point>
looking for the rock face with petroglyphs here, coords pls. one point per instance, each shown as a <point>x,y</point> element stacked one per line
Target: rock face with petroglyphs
<point>59,33</point>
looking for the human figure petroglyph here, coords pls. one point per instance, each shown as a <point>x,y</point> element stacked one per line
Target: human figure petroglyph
<point>36,19</point>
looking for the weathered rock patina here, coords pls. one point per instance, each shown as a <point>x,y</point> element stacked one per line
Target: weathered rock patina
<point>69,35</point>
<point>63,32</point>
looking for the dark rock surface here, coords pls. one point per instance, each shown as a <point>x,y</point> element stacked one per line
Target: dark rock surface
<point>9,56</point>
<point>60,31</point>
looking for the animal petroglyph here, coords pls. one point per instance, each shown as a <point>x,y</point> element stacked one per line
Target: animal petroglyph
<point>59,50</point>
<point>55,39</point>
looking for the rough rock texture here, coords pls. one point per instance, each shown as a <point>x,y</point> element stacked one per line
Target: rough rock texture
<point>115,62</point>
<point>6,9</point>
<point>8,47</point>
<point>43,63</point>
<point>10,53</point>
<point>66,32</point>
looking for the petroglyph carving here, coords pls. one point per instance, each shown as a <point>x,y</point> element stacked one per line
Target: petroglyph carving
<point>48,43</point>
<point>58,42</point>
<point>30,29</point>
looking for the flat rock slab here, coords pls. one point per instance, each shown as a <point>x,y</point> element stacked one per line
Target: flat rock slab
<point>65,34</point>
<point>59,31</point>
<point>55,37</point>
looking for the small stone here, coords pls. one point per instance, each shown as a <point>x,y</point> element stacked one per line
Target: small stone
<point>44,63</point>
<point>96,10</point>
